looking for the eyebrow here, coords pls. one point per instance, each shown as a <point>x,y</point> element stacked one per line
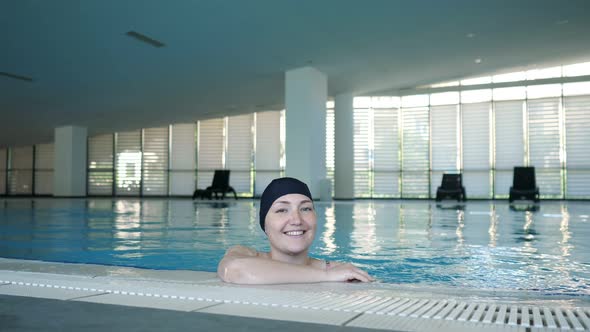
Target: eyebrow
<point>287,202</point>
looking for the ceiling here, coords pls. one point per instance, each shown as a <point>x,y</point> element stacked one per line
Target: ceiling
<point>226,57</point>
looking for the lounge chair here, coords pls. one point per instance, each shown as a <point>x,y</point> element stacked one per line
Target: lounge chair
<point>524,185</point>
<point>451,188</point>
<point>220,184</point>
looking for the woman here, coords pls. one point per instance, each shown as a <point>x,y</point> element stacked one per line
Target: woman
<point>288,218</point>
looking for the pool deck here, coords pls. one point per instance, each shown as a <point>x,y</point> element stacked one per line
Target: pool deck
<point>44,295</point>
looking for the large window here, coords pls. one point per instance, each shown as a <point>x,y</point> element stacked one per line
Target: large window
<point>481,133</point>
<point>415,151</point>
<point>155,161</point>
<point>377,164</point>
<point>269,150</point>
<point>577,134</point>
<point>3,168</point>
<point>100,165</point>
<point>238,159</point>
<point>20,171</point>
<point>183,159</point>
<point>176,159</point>
<point>44,169</point>
<point>128,171</point>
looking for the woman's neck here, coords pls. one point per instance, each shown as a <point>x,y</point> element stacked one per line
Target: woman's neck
<point>301,259</point>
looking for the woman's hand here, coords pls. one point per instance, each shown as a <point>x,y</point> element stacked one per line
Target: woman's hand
<point>347,272</point>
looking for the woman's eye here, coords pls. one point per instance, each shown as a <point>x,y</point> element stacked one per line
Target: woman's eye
<point>281,211</point>
<point>307,209</point>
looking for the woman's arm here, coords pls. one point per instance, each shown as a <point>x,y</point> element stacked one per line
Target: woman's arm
<point>242,265</point>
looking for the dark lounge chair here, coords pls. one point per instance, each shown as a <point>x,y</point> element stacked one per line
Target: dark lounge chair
<point>524,185</point>
<point>220,184</point>
<point>451,188</point>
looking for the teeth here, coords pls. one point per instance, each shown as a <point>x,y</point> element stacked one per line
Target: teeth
<point>294,233</point>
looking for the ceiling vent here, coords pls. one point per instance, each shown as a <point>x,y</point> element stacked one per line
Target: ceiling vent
<point>16,77</point>
<point>145,39</point>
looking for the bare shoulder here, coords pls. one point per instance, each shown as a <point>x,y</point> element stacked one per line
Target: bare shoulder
<point>241,251</point>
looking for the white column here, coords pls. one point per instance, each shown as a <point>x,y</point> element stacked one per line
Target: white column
<point>306,91</point>
<point>69,175</point>
<point>344,147</point>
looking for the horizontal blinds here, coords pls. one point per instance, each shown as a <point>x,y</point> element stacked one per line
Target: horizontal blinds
<point>239,152</point>
<point>509,144</point>
<point>3,168</point>
<point>155,161</point>
<point>183,159</point>
<point>416,153</point>
<point>386,161</point>
<point>476,131</point>
<point>44,169</point>
<point>128,163</point>
<point>268,149</point>
<point>577,135</point>
<point>544,145</point>
<point>100,165</point>
<point>362,166</point>
<point>211,144</point>
<point>330,144</point>
<point>21,171</point>
<point>445,145</point>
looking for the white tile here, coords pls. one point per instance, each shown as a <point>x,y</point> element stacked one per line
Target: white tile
<point>281,313</point>
<point>43,292</point>
<point>148,302</point>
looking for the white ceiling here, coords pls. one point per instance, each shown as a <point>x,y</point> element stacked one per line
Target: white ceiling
<point>228,57</point>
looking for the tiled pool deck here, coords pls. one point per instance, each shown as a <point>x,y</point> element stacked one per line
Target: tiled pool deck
<point>372,306</point>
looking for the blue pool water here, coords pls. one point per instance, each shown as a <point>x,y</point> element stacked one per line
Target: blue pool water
<point>480,245</point>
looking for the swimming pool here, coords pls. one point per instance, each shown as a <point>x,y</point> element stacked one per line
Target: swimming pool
<point>480,245</point>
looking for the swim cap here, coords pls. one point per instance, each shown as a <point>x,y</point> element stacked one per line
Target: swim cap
<point>277,188</point>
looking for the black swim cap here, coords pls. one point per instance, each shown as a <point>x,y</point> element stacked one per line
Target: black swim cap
<point>277,188</point>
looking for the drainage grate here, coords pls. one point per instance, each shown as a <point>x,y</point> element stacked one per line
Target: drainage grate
<point>388,310</point>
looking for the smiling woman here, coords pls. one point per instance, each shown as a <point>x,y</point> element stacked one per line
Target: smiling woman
<point>288,218</point>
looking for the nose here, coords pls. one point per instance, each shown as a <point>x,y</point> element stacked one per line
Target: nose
<point>295,218</point>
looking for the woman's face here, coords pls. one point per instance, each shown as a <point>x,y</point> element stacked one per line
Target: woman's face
<point>290,224</point>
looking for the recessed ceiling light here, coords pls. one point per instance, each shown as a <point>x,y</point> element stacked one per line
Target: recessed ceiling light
<point>562,22</point>
<point>478,60</point>
<point>470,35</point>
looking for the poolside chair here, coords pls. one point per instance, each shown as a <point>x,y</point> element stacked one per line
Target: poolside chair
<point>220,184</point>
<point>451,188</point>
<point>524,185</point>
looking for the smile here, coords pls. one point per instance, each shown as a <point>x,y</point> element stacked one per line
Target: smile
<point>294,233</point>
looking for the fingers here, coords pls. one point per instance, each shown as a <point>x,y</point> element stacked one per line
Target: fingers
<point>359,275</point>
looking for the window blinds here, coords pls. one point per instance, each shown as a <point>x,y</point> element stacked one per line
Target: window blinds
<point>362,157</point>
<point>476,130</point>
<point>416,152</point>
<point>210,150</point>
<point>330,144</point>
<point>3,161</point>
<point>21,171</point>
<point>544,145</point>
<point>183,159</point>
<point>128,163</point>
<point>44,169</point>
<point>577,135</point>
<point>386,161</point>
<point>100,165</point>
<point>445,144</point>
<point>239,152</point>
<point>268,149</point>
<point>155,161</point>
<point>509,144</point>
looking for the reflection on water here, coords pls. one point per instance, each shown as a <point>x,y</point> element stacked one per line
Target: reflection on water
<point>475,245</point>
